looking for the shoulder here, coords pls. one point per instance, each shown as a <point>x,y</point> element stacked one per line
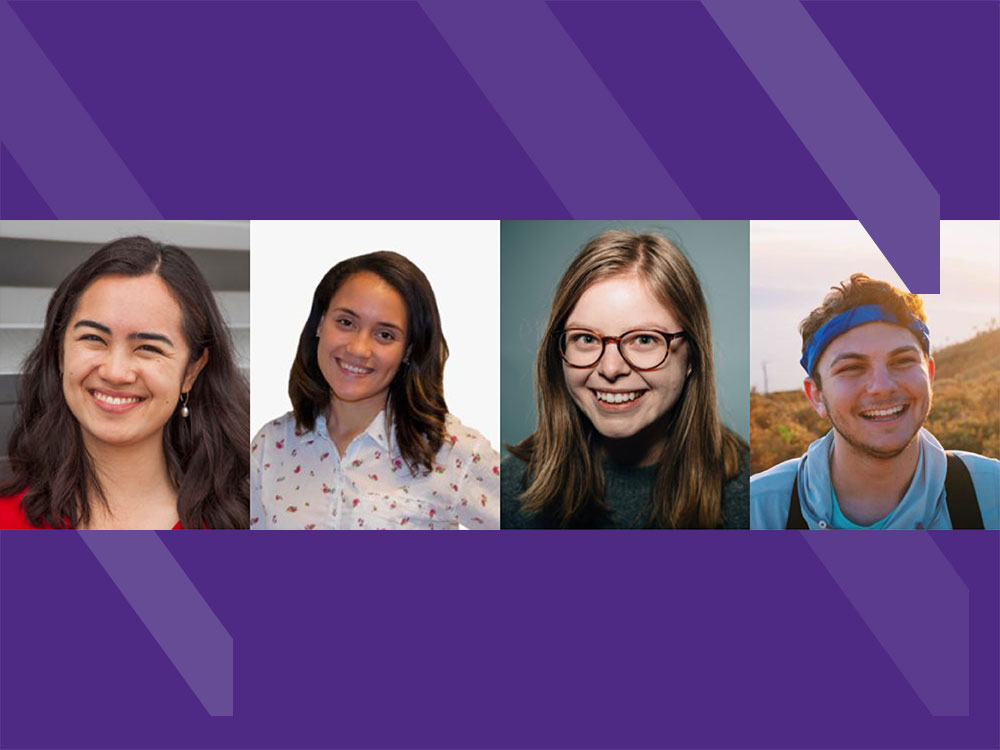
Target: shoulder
<point>464,446</point>
<point>11,514</point>
<point>274,432</point>
<point>736,496</point>
<point>512,470</point>
<point>770,494</point>
<point>977,464</point>
<point>512,473</point>
<point>985,473</point>
<point>458,438</point>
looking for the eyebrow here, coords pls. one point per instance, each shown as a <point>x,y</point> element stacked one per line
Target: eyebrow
<point>349,311</point>
<point>138,336</point>
<point>640,327</point>
<point>858,355</point>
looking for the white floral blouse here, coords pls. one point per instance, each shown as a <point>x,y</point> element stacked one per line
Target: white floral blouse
<point>298,481</point>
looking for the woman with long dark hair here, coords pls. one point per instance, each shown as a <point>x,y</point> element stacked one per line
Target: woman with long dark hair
<point>628,432</point>
<point>370,443</point>
<point>132,413</point>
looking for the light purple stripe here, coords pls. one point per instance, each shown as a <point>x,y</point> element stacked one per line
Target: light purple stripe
<point>915,604</point>
<point>558,109</point>
<point>843,130</point>
<point>173,610</point>
<point>54,139</point>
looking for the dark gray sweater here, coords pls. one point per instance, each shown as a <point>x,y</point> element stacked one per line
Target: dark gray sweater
<point>627,491</point>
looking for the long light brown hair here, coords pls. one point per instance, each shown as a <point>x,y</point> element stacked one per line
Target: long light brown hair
<point>564,477</point>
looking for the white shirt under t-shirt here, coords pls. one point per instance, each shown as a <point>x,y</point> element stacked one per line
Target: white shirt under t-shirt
<point>298,480</point>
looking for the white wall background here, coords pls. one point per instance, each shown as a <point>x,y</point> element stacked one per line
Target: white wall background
<point>461,259</point>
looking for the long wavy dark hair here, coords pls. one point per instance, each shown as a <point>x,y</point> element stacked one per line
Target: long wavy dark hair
<point>416,405</point>
<point>206,453</point>
<point>565,479</point>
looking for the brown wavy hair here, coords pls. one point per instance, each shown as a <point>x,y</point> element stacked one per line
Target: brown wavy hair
<point>416,405</point>
<point>859,290</point>
<point>206,454</point>
<point>564,477</point>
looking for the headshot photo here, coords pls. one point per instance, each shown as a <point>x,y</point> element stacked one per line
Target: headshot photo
<point>126,403</point>
<point>377,403</point>
<point>624,375</point>
<point>873,408</point>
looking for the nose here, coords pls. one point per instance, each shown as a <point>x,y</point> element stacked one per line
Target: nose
<point>359,345</point>
<point>612,365</point>
<point>881,380</point>
<point>117,366</point>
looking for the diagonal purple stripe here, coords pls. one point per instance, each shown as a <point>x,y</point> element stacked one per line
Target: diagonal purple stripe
<point>915,604</point>
<point>55,140</point>
<point>557,107</point>
<point>843,130</point>
<point>177,616</point>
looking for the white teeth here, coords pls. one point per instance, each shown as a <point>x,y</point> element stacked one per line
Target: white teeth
<point>356,370</point>
<point>617,398</point>
<point>884,412</point>
<point>115,400</point>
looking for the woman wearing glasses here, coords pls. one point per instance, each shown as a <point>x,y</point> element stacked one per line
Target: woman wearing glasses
<point>370,443</point>
<point>628,433</point>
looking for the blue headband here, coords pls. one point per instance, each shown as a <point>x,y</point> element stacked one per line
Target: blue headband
<point>857,316</point>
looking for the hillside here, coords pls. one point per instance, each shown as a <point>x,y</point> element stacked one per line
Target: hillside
<point>965,414</point>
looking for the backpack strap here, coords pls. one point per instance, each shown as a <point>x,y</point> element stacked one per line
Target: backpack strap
<point>960,494</point>
<point>795,519</point>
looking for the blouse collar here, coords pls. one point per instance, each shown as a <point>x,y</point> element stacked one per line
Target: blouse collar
<point>378,429</point>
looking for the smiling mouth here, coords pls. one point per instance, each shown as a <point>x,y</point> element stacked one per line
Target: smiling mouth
<point>354,370</point>
<point>114,403</point>
<point>886,414</point>
<point>617,400</point>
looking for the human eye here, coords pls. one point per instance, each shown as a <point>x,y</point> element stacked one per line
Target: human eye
<point>850,369</point>
<point>151,349</point>
<point>644,340</point>
<point>386,337</point>
<point>343,322</point>
<point>582,337</point>
<point>91,337</point>
<point>906,361</point>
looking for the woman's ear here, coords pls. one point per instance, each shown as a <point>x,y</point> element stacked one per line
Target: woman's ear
<point>193,369</point>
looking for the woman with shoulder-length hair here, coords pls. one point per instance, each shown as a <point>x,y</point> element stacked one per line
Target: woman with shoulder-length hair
<point>370,443</point>
<point>132,412</point>
<point>628,431</point>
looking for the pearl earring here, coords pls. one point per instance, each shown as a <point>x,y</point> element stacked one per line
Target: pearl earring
<point>185,412</point>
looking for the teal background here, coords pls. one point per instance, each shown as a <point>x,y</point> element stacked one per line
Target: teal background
<point>533,257</point>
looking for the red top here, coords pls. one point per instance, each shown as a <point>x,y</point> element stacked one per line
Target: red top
<point>12,514</point>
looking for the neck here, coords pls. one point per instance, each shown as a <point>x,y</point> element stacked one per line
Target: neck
<point>135,483</point>
<point>641,449</point>
<point>346,420</point>
<point>869,487</point>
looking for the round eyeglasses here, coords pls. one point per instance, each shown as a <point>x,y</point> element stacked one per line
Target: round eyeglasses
<point>641,349</point>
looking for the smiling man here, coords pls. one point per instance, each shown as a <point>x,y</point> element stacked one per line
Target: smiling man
<point>866,353</point>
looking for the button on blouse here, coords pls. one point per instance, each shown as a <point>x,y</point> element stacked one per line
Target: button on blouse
<point>298,480</point>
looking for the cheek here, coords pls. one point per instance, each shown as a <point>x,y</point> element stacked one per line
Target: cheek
<point>391,362</point>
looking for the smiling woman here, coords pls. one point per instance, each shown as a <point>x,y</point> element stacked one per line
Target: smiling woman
<point>133,414</point>
<point>628,433</point>
<point>370,443</point>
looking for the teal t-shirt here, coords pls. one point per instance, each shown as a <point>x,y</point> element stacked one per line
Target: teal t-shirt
<point>840,521</point>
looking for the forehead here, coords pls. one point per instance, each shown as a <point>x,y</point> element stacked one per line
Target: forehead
<point>128,304</point>
<point>871,340</point>
<point>619,304</point>
<point>372,297</point>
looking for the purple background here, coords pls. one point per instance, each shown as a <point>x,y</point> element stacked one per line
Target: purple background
<point>594,639</point>
<point>446,109</point>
